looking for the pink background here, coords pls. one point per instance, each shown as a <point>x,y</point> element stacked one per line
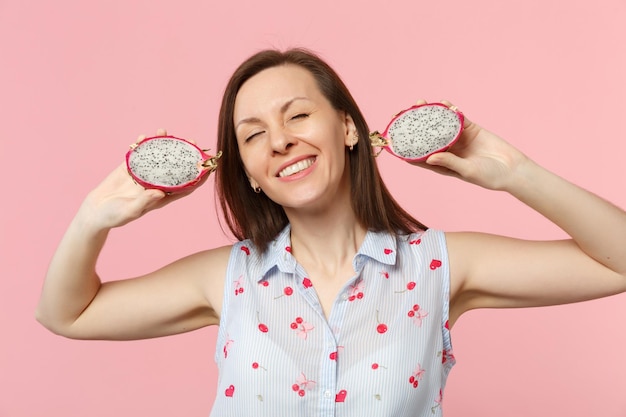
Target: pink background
<point>79,80</point>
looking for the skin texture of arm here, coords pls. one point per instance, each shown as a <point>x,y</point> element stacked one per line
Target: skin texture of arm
<point>179,297</point>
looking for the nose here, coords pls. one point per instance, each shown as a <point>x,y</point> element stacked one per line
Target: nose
<point>281,141</point>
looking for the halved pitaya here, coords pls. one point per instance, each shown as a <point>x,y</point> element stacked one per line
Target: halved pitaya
<point>168,163</point>
<point>420,131</point>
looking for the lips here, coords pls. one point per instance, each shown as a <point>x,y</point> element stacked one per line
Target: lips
<point>296,167</point>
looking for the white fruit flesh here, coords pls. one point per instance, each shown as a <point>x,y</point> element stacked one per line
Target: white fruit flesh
<point>423,130</point>
<point>165,162</point>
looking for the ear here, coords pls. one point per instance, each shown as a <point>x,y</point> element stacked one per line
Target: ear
<point>350,131</point>
<point>253,183</point>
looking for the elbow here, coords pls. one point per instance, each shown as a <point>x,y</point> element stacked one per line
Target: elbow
<point>45,321</point>
<point>54,326</point>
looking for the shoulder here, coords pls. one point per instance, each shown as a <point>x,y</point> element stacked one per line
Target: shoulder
<point>246,257</point>
<point>208,260</point>
<point>424,250</point>
<point>463,248</point>
<point>205,270</point>
<point>433,240</point>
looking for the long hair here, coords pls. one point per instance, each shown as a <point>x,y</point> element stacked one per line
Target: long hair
<point>255,216</point>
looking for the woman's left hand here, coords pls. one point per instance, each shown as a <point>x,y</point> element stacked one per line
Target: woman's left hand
<point>479,157</point>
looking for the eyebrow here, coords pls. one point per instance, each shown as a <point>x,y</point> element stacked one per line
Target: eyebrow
<point>283,110</point>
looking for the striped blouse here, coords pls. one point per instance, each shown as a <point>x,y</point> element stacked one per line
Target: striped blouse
<point>385,349</point>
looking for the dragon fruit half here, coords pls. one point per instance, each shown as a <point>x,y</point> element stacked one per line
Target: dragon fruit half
<point>168,163</point>
<point>420,131</point>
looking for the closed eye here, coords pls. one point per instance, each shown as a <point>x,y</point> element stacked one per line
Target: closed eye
<point>300,116</point>
<point>252,136</point>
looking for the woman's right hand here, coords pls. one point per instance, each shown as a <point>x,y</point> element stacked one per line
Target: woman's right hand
<point>178,297</point>
<point>119,200</point>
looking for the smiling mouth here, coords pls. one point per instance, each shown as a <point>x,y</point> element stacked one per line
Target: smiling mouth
<point>297,167</point>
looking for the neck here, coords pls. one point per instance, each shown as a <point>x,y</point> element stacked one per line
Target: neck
<point>329,239</point>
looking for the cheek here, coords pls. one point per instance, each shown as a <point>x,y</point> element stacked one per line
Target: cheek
<point>251,164</point>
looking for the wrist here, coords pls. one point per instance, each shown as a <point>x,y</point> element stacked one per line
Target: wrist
<point>528,179</point>
<point>88,222</point>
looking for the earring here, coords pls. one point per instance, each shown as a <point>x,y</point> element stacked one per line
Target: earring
<point>355,140</point>
<point>254,185</point>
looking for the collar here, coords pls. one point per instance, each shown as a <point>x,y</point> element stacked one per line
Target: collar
<point>379,246</point>
<point>279,254</point>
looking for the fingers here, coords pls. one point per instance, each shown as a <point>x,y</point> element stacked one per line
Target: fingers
<point>452,163</point>
<point>147,200</point>
<point>466,122</point>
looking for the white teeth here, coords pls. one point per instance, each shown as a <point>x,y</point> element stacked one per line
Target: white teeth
<point>297,167</point>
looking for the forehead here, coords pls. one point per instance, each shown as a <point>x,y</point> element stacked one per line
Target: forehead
<point>274,86</point>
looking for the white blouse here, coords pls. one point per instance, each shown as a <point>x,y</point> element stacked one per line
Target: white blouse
<point>385,349</point>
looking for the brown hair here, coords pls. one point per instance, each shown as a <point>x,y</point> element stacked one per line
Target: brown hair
<point>254,216</point>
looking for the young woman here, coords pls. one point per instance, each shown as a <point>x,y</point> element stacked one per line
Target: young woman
<point>335,301</point>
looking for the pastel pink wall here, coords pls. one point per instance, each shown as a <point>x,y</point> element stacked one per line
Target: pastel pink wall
<point>79,80</point>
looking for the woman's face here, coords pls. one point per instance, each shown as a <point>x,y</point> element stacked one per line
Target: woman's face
<point>291,140</point>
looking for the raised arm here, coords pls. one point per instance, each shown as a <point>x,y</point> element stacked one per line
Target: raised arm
<point>182,296</point>
<point>494,271</point>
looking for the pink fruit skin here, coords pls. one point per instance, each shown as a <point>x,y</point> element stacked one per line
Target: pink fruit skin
<point>425,157</point>
<point>167,189</point>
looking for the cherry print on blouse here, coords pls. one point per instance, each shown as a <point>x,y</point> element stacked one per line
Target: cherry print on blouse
<point>302,385</point>
<point>246,250</point>
<point>239,285</point>
<point>229,342</point>
<point>446,356</point>
<point>382,327</point>
<point>410,286</point>
<point>264,283</point>
<point>302,327</point>
<point>356,291</point>
<point>341,396</point>
<point>434,264</point>
<point>230,391</point>
<point>416,376</point>
<point>377,397</point>
<point>288,249</point>
<point>262,326</point>
<point>255,365</point>
<point>376,366</point>
<point>438,401</point>
<point>385,274</point>
<point>307,283</point>
<point>333,355</point>
<point>417,314</point>
<point>447,325</point>
<point>287,291</point>
<point>415,242</point>
<point>388,251</point>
